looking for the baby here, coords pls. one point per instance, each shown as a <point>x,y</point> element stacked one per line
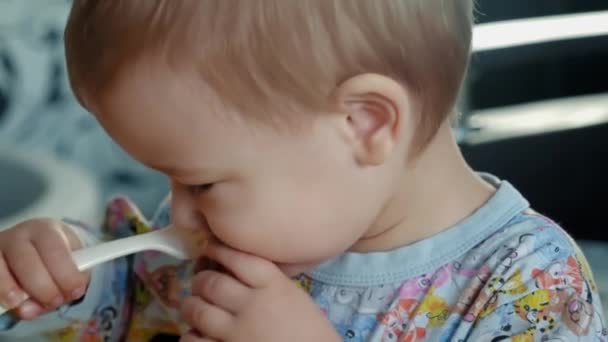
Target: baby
<point>312,139</point>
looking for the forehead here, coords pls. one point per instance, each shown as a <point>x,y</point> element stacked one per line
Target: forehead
<point>155,112</point>
<point>153,83</point>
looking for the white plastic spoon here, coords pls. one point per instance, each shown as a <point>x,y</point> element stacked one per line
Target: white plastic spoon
<point>179,243</point>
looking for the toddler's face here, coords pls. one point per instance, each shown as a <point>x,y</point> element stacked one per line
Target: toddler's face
<point>295,199</point>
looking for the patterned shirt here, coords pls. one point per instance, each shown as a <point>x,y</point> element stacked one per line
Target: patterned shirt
<point>505,273</point>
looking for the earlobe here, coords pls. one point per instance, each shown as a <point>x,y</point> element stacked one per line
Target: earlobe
<point>374,107</point>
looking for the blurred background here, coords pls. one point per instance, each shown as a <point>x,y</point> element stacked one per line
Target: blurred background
<point>534,113</point>
<point>54,158</point>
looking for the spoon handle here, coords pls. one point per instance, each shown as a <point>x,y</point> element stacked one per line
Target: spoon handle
<point>88,257</point>
<point>97,254</point>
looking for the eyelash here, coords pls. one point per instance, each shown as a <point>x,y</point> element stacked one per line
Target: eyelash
<point>201,188</point>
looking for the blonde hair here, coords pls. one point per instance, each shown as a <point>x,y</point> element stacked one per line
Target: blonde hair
<point>258,55</point>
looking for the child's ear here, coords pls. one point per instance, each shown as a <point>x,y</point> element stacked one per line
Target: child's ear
<point>375,108</point>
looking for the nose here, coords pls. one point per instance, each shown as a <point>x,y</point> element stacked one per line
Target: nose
<point>184,211</point>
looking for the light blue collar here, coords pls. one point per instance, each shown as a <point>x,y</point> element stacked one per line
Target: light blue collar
<point>377,268</point>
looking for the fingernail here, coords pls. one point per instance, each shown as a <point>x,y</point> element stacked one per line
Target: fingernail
<point>79,292</point>
<point>14,298</point>
<point>56,302</point>
<point>29,310</point>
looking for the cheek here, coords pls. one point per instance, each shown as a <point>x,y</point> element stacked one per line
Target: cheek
<point>258,224</point>
<point>293,222</point>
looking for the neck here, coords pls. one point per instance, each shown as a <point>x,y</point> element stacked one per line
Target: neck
<point>438,189</point>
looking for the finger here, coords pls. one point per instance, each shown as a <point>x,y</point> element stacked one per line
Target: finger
<point>55,255</point>
<point>221,289</point>
<point>11,295</point>
<point>208,319</point>
<point>193,336</point>
<point>32,275</point>
<point>69,236</point>
<point>30,310</point>
<point>249,269</point>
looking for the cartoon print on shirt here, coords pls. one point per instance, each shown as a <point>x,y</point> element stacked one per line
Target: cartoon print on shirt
<point>434,309</point>
<point>358,329</point>
<point>375,300</point>
<point>529,306</point>
<point>416,287</point>
<point>395,320</point>
<point>470,294</point>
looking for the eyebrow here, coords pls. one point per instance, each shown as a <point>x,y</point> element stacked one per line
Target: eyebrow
<point>161,168</point>
<point>182,172</point>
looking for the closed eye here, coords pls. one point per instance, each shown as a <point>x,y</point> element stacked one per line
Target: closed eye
<point>201,188</point>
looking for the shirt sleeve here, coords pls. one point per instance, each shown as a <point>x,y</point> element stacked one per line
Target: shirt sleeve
<point>557,301</point>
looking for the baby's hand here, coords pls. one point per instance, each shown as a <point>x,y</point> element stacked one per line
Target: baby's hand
<point>35,260</point>
<point>255,301</point>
